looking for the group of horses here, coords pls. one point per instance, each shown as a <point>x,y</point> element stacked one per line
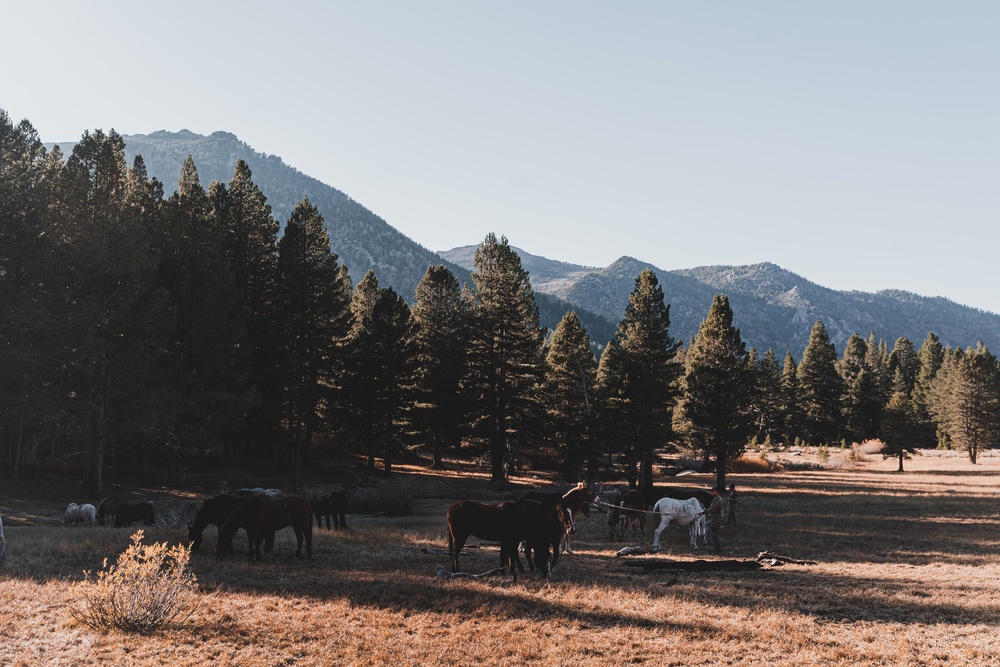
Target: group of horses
<point>671,506</point>
<point>542,523</point>
<point>112,511</point>
<point>261,513</point>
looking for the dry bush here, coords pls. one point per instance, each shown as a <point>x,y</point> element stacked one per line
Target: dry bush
<point>752,463</point>
<point>149,587</point>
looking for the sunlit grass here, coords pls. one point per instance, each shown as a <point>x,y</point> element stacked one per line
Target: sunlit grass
<point>904,575</point>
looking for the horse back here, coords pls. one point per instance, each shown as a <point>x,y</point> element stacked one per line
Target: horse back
<point>493,523</point>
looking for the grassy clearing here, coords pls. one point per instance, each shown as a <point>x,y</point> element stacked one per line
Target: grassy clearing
<point>906,575</point>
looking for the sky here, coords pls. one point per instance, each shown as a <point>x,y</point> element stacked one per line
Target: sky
<point>855,143</point>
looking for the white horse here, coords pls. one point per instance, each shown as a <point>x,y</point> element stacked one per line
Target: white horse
<point>688,513</point>
<point>80,513</point>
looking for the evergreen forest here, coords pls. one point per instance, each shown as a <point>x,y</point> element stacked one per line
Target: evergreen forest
<point>144,329</point>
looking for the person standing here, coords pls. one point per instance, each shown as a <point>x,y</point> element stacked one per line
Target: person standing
<point>714,517</point>
<point>733,497</point>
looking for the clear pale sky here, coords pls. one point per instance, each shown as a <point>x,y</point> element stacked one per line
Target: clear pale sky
<point>856,143</point>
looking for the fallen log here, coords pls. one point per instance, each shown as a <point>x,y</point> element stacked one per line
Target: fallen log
<point>768,558</point>
<point>443,572</point>
<point>651,565</point>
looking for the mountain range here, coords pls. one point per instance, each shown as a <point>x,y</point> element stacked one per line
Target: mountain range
<point>774,308</point>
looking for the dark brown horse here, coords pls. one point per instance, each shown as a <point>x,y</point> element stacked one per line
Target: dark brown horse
<point>129,513</point>
<point>507,523</point>
<point>575,501</point>
<point>260,515</point>
<point>330,504</point>
<point>214,512</point>
<point>108,508</point>
<point>546,528</point>
<point>633,512</point>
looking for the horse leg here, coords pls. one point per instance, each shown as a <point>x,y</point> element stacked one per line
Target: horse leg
<point>343,521</point>
<point>298,541</point>
<point>455,545</point>
<point>659,531</point>
<point>269,541</point>
<point>251,546</point>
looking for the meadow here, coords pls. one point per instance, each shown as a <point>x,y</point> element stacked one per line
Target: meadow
<point>905,573</point>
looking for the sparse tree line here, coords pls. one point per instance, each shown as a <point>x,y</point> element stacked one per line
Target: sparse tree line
<point>139,327</point>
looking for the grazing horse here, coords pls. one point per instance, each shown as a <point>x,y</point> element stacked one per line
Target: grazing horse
<point>129,513</point>
<point>214,512</point>
<point>545,528</point>
<point>330,504</point>
<point>262,514</point>
<point>680,512</point>
<point>633,512</point>
<point>575,501</point>
<point>108,508</point>
<point>80,514</point>
<point>507,523</point>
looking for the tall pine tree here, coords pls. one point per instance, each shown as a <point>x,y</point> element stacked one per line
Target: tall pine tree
<point>717,391</point>
<point>505,354</point>
<point>568,396</point>
<point>637,379</point>
<point>442,339</point>
<point>820,389</point>
<point>313,317</point>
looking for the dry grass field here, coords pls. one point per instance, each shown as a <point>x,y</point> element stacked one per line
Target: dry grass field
<point>906,573</point>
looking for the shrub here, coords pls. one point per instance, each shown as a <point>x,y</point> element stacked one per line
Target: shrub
<point>389,498</point>
<point>149,587</point>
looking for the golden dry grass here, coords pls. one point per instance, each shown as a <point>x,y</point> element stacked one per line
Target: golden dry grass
<point>906,574</point>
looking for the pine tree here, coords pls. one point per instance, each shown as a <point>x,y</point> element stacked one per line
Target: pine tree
<point>442,339</point>
<point>904,358</point>
<point>862,403</point>
<point>931,357</point>
<point>820,389</point>
<point>313,315</point>
<point>360,382</point>
<point>505,354</point>
<point>110,314</point>
<point>206,365</point>
<point>249,234</point>
<point>716,400</point>
<point>791,412</point>
<point>637,378</point>
<point>899,428</point>
<point>770,398</point>
<point>395,353</point>
<point>568,396</point>
<point>25,182</point>
<point>967,406</point>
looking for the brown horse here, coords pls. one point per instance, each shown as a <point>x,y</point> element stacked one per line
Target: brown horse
<point>330,504</point>
<point>633,512</point>
<point>546,528</point>
<point>261,514</point>
<point>507,523</point>
<point>575,501</point>
<point>108,508</point>
<point>129,513</point>
<point>214,512</point>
